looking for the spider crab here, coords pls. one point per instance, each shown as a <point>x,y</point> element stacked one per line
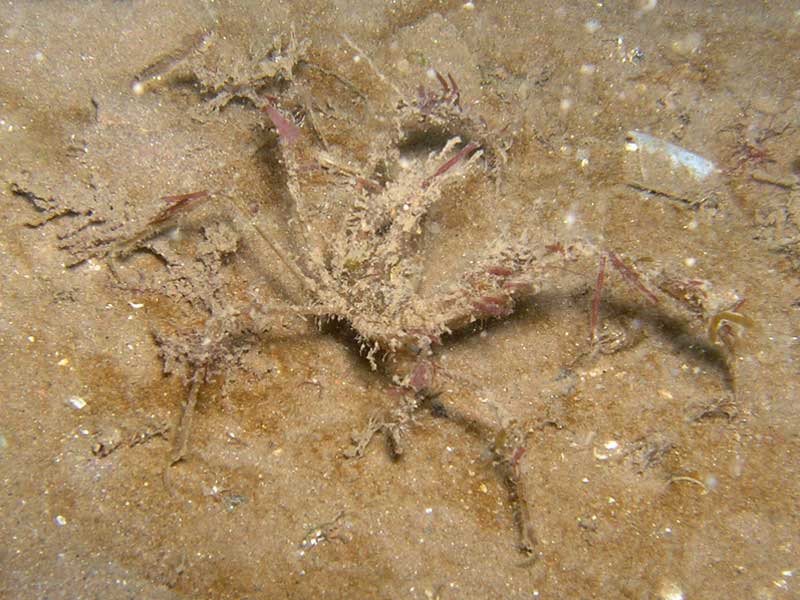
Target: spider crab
<point>365,268</point>
<point>367,273</point>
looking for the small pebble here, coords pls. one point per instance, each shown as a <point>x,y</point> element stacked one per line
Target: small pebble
<point>670,591</point>
<point>77,402</point>
<point>592,26</point>
<point>688,44</point>
<point>647,5</point>
<point>60,521</point>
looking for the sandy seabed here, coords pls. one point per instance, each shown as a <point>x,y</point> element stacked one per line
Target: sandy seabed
<point>664,467</point>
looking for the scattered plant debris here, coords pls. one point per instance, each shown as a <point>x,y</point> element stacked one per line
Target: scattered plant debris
<point>328,531</point>
<point>109,439</point>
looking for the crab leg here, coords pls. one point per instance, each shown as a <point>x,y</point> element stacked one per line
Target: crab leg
<point>283,255</point>
<point>598,288</point>
<point>507,438</point>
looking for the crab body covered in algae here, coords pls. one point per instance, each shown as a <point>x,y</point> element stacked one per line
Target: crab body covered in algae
<point>368,273</point>
<point>358,226</point>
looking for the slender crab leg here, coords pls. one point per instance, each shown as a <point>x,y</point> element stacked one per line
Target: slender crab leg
<point>508,446</point>
<point>283,255</point>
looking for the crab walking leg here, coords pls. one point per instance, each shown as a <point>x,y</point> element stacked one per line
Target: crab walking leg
<point>283,255</point>
<point>507,443</point>
<point>598,289</point>
<point>299,311</point>
<point>475,414</point>
<point>513,272</point>
<point>466,408</point>
<point>301,161</point>
<point>294,147</point>
<point>510,273</point>
<point>518,489</point>
<point>491,290</point>
<point>181,441</point>
<point>385,80</point>
<point>216,333</point>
